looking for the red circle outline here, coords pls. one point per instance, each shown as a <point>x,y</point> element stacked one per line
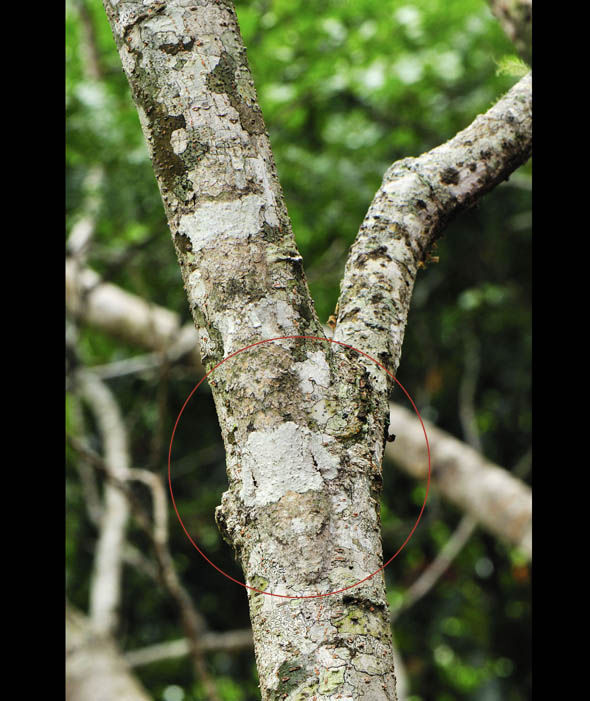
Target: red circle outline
<point>243,584</point>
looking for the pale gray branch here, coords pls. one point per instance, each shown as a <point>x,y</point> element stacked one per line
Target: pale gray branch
<point>193,623</point>
<point>488,493</point>
<point>416,201</point>
<point>230,641</point>
<point>117,312</point>
<point>95,668</point>
<point>105,588</point>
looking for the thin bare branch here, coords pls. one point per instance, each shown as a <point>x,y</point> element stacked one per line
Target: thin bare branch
<point>193,623</point>
<point>126,315</point>
<point>516,19</point>
<point>231,641</point>
<point>438,567</point>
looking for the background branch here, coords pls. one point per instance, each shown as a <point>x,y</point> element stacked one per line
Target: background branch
<point>193,623</point>
<point>105,588</point>
<point>96,670</point>
<point>516,19</point>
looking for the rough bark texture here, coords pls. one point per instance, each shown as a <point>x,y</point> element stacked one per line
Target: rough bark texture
<point>417,199</point>
<point>95,669</point>
<point>516,18</point>
<point>303,421</point>
<point>302,426</point>
<point>457,469</point>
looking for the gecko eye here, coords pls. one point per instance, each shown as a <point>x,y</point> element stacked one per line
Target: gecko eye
<point>391,438</point>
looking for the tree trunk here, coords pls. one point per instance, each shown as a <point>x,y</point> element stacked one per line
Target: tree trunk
<point>303,421</point>
<point>302,427</point>
<point>499,501</point>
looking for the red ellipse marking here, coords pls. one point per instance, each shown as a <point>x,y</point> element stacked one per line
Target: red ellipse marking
<point>243,584</point>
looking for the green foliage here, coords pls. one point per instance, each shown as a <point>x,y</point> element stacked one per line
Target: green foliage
<point>346,88</point>
<point>513,66</point>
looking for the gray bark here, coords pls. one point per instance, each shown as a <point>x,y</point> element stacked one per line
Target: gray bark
<point>303,422</point>
<point>416,201</point>
<point>501,504</point>
<point>516,19</point>
<point>303,442</point>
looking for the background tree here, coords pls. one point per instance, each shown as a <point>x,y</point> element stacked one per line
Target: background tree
<point>461,319</point>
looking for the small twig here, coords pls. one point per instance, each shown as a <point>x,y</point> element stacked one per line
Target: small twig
<point>90,491</point>
<point>438,567</point>
<point>231,641</point>
<point>184,344</point>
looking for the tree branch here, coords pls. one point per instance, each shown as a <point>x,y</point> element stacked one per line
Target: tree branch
<point>193,623</point>
<point>105,588</point>
<point>216,173</point>
<point>95,668</point>
<point>230,641</point>
<point>516,19</point>
<point>447,450</point>
<point>416,201</point>
<point>498,501</point>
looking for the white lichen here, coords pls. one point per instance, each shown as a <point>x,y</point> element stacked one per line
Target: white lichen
<point>313,371</point>
<point>267,476</point>
<point>237,218</point>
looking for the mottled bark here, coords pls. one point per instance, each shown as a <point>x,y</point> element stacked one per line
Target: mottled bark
<point>303,421</point>
<point>516,19</point>
<point>95,668</point>
<point>416,201</point>
<point>302,426</point>
<point>458,474</point>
